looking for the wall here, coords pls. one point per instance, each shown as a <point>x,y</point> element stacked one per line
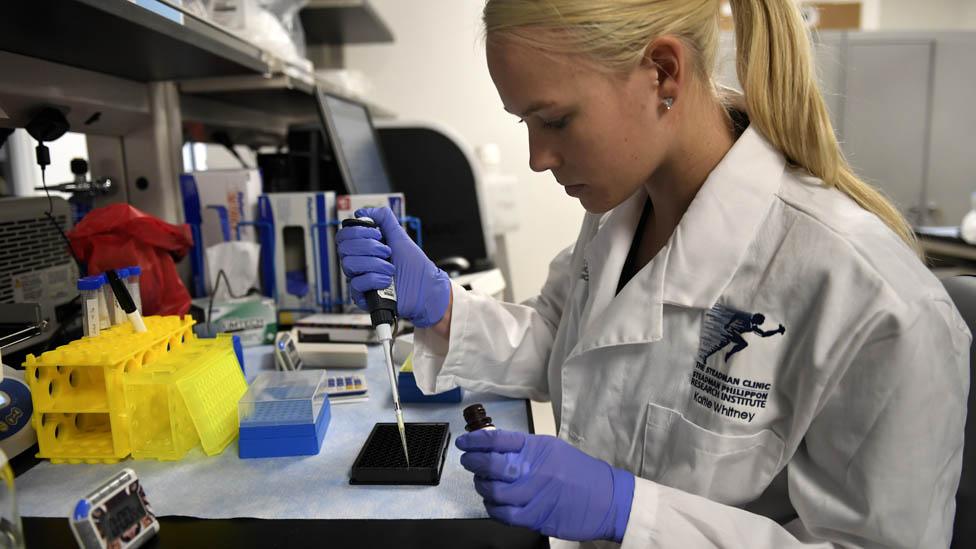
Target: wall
<point>435,70</point>
<point>26,174</point>
<point>927,14</point>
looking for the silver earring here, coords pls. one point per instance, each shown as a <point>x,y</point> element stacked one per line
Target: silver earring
<point>668,102</point>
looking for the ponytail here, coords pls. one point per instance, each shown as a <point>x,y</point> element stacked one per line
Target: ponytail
<point>775,68</point>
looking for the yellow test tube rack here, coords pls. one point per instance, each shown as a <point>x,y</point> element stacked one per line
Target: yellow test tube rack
<point>91,398</point>
<point>188,396</point>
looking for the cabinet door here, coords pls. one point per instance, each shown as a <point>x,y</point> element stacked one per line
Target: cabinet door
<point>828,57</point>
<point>886,117</point>
<point>952,160</point>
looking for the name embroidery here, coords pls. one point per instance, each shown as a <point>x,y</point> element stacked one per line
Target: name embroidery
<point>729,395</point>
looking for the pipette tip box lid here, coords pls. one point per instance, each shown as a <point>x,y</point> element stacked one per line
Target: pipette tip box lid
<point>284,414</point>
<point>381,459</point>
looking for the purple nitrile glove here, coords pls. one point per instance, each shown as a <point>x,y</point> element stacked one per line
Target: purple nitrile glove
<point>543,483</point>
<point>423,291</point>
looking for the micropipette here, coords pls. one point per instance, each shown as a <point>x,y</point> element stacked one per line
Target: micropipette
<point>382,312</point>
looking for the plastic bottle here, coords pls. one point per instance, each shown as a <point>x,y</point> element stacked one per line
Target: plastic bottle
<point>477,418</point>
<point>132,281</point>
<point>967,230</point>
<point>90,288</point>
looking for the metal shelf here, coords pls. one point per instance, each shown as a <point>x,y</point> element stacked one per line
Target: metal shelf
<point>285,99</point>
<point>120,38</point>
<point>283,95</point>
<point>336,22</point>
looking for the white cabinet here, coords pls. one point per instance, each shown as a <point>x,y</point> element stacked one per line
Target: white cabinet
<point>886,117</point>
<point>903,107</point>
<point>952,148</point>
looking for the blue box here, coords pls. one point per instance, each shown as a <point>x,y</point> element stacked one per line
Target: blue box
<point>284,414</point>
<point>409,392</point>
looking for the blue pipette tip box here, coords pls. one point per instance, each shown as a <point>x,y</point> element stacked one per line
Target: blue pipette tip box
<point>284,414</point>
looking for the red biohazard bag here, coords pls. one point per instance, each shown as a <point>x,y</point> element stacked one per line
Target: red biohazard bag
<point>119,235</point>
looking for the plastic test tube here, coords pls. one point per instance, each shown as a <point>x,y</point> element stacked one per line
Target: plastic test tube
<point>132,281</point>
<point>116,314</point>
<point>104,320</point>
<point>90,288</point>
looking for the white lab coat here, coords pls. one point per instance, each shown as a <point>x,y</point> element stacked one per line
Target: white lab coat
<point>844,430</point>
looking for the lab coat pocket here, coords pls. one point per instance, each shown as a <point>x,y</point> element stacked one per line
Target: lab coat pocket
<point>733,470</point>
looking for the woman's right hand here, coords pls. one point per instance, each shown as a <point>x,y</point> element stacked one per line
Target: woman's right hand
<point>423,291</point>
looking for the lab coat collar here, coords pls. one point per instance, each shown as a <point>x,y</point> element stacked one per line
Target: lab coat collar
<point>698,261</point>
<point>722,221</point>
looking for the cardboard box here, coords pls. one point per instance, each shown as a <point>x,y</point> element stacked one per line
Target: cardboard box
<point>214,203</point>
<point>254,319</point>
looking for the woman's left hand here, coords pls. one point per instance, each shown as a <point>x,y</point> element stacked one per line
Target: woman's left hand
<point>543,483</point>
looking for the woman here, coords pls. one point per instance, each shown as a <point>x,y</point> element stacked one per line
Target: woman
<point>742,348</point>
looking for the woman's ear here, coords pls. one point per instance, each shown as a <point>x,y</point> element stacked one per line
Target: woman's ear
<point>669,56</point>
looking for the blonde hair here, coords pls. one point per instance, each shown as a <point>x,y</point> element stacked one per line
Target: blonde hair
<point>773,61</point>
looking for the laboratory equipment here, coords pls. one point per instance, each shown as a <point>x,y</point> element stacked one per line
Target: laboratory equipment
<point>423,290</point>
<point>116,515</point>
<point>380,461</point>
<point>286,354</point>
<point>189,395</point>
<point>317,355</point>
<point>354,142</point>
<point>35,266</point>
<point>346,208</point>
<point>104,303</point>
<point>124,306</point>
<point>90,288</point>
<point>284,414</point>
<point>83,190</point>
<point>434,166</point>
<point>332,355</point>
<point>346,388</point>
<point>297,264</point>
<point>16,407</point>
<point>77,389</point>
<point>382,312</point>
<point>335,328</point>
<point>477,418</point>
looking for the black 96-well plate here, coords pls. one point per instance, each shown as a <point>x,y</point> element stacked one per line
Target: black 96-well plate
<point>381,460</point>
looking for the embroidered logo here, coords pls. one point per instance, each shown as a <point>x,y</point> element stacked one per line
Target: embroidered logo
<point>724,326</point>
<point>725,394</point>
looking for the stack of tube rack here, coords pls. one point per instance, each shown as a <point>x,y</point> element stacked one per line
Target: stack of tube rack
<point>152,394</point>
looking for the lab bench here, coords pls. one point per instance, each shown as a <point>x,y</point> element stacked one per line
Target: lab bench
<point>303,501</point>
<point>946,253</point>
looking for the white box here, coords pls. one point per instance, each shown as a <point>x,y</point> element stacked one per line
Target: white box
<point>217,201</point>
<point>346,206</point>
<point>228,194</point>
<point>303,225</point>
